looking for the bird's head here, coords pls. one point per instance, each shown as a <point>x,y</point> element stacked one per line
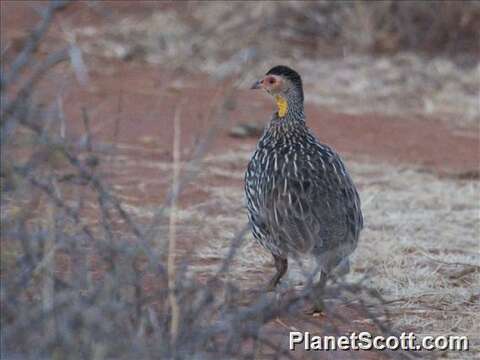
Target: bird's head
<point>285,85</point>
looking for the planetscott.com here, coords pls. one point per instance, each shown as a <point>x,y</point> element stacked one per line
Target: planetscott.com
<point>367,341</point>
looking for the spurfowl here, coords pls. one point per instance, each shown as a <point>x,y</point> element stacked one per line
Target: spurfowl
<point>301,200</point>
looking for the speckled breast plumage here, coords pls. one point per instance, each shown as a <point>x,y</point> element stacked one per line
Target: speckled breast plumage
<point>300,198</point>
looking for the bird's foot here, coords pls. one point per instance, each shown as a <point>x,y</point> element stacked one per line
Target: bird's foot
<point>272,285</point>
<point>317,309</point>
<point>281,264</point>
<point>312,311</point>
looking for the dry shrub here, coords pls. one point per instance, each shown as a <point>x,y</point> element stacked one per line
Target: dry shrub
<point>445,27</point>
<point>76,264</point>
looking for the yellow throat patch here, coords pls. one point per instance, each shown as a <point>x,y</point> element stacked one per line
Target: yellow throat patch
<point>282,105</point>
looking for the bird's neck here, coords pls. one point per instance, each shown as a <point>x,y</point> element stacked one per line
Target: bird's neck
<point>282,106</point>
<point>289,108</point>
<point>290,125</point>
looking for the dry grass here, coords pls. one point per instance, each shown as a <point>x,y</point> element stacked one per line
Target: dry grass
<point>86,281</point>
<point>348,73</point>
<point>419,248</point>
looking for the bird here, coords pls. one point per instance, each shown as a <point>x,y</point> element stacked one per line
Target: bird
<point>300,198</point>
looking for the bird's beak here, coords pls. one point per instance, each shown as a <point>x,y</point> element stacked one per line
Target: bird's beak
<point>257,85</point>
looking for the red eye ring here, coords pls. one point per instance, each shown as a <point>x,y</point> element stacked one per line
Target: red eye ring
<point>271,80</point>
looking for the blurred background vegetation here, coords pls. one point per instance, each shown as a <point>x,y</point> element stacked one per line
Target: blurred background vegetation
<point>121,241</point>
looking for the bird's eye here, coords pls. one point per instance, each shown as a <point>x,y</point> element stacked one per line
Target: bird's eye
<point>271,81</point>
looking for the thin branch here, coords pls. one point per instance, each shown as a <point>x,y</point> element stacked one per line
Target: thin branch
<point>25,56</point>
<point>174,322</point>
<point>27,88</point>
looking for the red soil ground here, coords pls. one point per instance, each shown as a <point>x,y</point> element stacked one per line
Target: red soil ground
<point>135,95</point>
<point>147,107</point>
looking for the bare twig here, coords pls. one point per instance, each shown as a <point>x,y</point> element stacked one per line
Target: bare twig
<point>26,55</point>
<point>173,226</point>
<point>26,89</point>
<point>89,225</point>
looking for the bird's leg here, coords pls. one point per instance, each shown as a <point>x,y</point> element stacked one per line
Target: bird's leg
<point>282,265</point>
<point>317,295</point>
